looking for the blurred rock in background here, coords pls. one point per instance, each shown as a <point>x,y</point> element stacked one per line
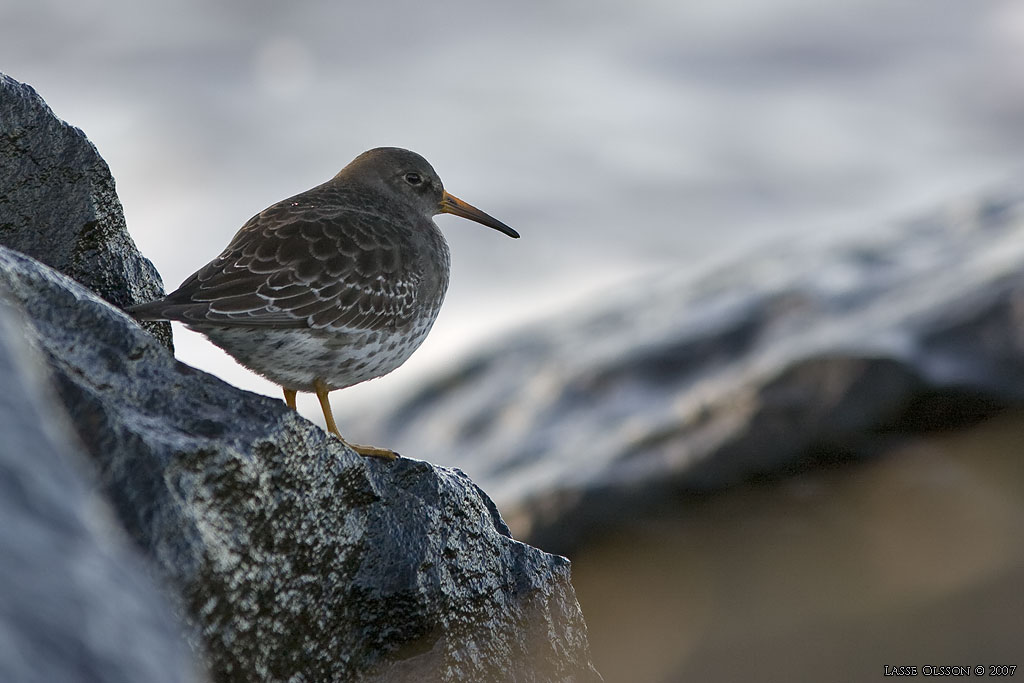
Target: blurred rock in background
<point>807,459</point>
<point>754,369</point>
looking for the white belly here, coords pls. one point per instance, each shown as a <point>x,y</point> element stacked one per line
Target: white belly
<point>294,358</point>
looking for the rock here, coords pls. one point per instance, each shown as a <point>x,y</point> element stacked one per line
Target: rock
<point>58,204</point>
<point>77,602</point>
<point>294,558</point>
<point>815,350</point>
<point>290,557</point>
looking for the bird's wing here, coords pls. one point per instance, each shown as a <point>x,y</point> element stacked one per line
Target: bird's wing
<point>303,267</point>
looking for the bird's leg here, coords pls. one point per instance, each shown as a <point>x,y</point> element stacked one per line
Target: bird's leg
<point>325,405</point>
<point>332,427</point>
<point>289,398</point>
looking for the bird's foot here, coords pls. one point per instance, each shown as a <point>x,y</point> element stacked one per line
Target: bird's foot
<point>372,451</point>
<point>332,427</point>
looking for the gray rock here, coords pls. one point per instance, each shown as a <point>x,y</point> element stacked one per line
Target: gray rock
<point>58,204</point>
<point>816,350</point>
<point>77,602</point>
<point>294,558</point>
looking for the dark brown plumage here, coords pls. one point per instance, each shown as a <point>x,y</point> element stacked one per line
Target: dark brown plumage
<point>331,287</point>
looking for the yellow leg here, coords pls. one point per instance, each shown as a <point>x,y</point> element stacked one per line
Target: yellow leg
<point>289,398</point>
<point>332,427</point>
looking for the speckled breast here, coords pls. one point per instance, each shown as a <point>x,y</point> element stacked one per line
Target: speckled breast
<point>294,358</point>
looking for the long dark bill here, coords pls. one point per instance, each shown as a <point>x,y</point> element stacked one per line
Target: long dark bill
<point>453,205</point>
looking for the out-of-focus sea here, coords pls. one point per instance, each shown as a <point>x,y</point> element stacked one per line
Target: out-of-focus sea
<point>619,138</point>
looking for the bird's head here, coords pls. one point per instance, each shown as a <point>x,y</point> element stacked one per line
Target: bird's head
<point>409,176</point>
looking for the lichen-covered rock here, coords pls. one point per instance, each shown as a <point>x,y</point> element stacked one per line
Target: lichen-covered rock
<point>77,601</point>
<point>58,204</point>
<point>295,559</point>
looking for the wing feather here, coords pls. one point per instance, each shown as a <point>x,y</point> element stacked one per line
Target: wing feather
<point>302,263</point>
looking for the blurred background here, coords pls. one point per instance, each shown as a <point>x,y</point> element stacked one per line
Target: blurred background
<point>629,143</point>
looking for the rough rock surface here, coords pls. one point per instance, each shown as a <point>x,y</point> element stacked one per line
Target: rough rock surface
<point>685,383</point>
<point>295,558</point>
<point>58,204</point>
<point>76,602</point>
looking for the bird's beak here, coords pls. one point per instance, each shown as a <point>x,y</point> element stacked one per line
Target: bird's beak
<point>454,205</point>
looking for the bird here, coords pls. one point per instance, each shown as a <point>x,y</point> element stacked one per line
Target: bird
<point>333,286</point>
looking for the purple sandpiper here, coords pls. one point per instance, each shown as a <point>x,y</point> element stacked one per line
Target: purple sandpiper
<point>331,287</point>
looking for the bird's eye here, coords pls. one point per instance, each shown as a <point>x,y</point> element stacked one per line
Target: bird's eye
<point>414,179</point>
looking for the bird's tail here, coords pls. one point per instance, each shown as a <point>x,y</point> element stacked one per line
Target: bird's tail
<point>154,310</point>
